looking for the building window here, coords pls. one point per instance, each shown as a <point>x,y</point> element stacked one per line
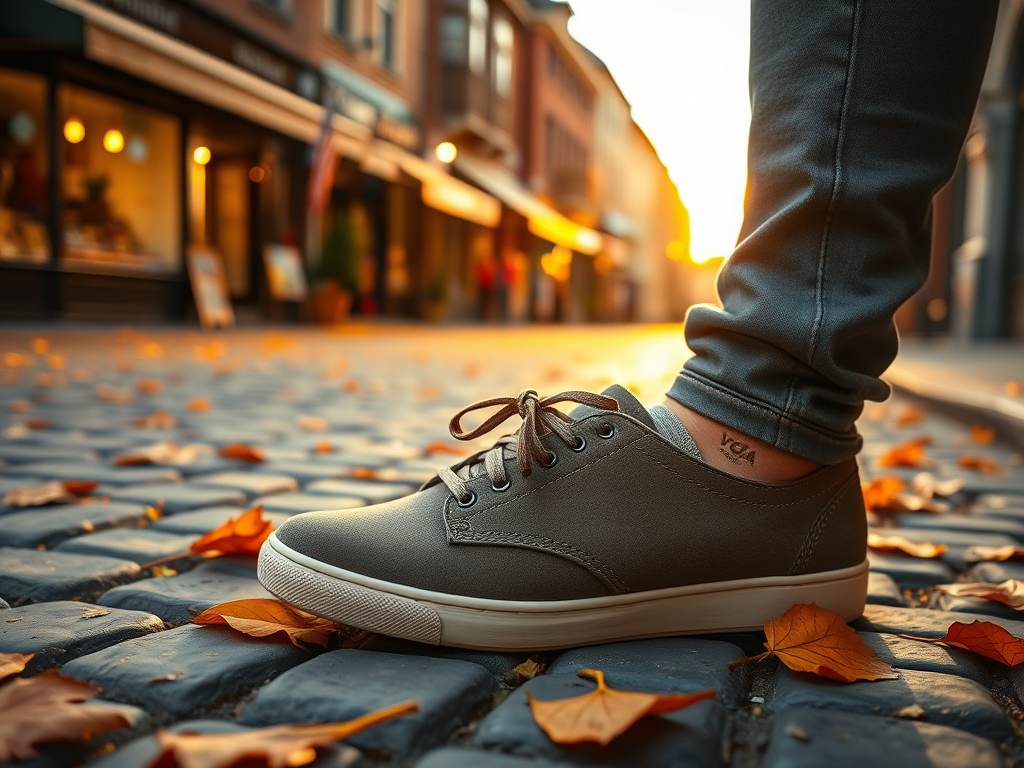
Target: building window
<point>504,43</point>
<point>453,39</point>
<point>120,182</point>
<point>24,167</point>
<point>386,10</point>
<point>340,22</point>
<point>478,14</point>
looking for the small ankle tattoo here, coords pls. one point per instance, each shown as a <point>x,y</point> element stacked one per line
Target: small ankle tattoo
<point>736,451</point>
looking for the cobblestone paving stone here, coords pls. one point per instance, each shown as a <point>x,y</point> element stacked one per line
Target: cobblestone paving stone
<point>360,417</point>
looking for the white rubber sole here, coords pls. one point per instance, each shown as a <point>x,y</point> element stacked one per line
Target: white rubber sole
<point>505,625</point>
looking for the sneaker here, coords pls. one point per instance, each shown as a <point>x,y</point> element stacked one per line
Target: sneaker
<point>578,529</point>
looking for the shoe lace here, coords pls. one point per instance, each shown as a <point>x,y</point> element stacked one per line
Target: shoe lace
<point>540,418</point>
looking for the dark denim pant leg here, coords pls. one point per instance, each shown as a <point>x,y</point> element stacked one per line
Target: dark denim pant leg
<point>860,109</point>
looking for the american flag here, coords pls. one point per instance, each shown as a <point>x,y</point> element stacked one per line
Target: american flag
<point>321,171</point>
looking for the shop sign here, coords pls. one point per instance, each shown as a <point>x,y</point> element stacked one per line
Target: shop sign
<point>219,39</point>
<point>383,125</point>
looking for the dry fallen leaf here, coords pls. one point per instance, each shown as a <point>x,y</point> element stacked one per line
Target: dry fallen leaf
<point>982,464</point>
<point>166,452</point>
<point>263,617</point>
<point>811,639</point>
<point>242,452</point>
<point>13,663</point>
<point>927,486</point>
<point>92,613</point>
<point>364,473</point>
<point>983,638</point>
<point>1010,592</point>
<point>37,424</point>
<point>148,386</point>
<point>909,416</point>
<point>881,493</point>
<point>314,423</point>
<point>46,708</point>
<point>243,535</point>
<point>156,420</point>
<point>604,713</point>
<point>923,550</point>
<point>527,670</point>
<point>909,454</point>
<point>324,447</point>
<point>19,406</point>
<point>444,448</point>
<point>982,435</point>
<point>281,746</point>
<point>997,554</point>
<point>199,404</point>
<point>53,492</point>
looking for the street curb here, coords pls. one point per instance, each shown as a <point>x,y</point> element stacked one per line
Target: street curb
<point>1003,414</point>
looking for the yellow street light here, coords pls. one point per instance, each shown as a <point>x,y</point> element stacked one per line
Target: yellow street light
<point>446,151</point>
<point>74,130</point>
<point>113,141</point>
<point>201,155</point>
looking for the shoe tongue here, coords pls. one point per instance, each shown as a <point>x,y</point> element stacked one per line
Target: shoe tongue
<point>627,404</point>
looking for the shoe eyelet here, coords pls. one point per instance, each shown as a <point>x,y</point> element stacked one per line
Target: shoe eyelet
<point>606,431</point>
<point>501,488</point>
<point>468,502</point>
<point>580,445</point>
<point>554,460</point>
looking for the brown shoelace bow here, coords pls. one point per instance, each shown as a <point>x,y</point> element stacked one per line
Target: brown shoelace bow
<point>539,416</point>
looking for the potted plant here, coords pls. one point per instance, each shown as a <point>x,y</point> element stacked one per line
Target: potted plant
<point>336,277</point>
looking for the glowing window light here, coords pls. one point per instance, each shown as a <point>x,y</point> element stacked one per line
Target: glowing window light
<point>446,151</point>
<point>74,130</point>
<point>201,155</point>
<point>113,141</point>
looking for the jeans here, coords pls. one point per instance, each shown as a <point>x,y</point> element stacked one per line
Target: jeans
<point>859,112</point>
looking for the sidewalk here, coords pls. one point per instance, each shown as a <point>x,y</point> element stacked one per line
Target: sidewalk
<point>358,417</point>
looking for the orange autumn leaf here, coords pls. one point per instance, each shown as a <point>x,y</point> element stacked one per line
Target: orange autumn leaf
<point>166,452</point>
<point>881,493</point>
<point>1010,592</point>
<point>280,746</point>
<point>199,404</point>
<point>439,447</point>
<point>923,550</point>
<point>364,473</point>
<point>811,639</point>
<point>156,420</point>
<point>243,452</point>
<point>48,707</point>
<point>263,617</point>
<point>982,435</point>
<point>909,454</point>
<point>604,713</point>
<point>37,424</point>
<point>148,386</point>
<point>982,464</point>
<point>909,416</point>
<point>243,535</point>
<point>996,554</point>
<point>983,638</point>
<point>13,663</point>
<point>52,492</point>
<point>324,447</point>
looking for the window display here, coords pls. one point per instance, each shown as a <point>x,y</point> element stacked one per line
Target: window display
<point>24,168</point>
<point>121,183</point>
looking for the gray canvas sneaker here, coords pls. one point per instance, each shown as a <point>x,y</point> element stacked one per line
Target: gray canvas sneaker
<point>579,529</point>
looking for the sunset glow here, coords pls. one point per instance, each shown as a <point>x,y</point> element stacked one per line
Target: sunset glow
<point>682,65</point>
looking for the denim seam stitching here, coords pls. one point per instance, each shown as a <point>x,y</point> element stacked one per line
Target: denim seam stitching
<point>703,381</point>
<point>837,182</point>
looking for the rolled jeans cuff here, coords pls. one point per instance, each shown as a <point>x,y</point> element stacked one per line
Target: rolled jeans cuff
<point>763,421</point>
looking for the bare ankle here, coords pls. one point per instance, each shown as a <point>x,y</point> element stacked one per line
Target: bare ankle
<point>731,451</point>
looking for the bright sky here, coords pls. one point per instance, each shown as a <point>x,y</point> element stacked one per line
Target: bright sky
<point>682,65</point>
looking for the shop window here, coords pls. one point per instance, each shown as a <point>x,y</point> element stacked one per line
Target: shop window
<point>453,39</point>
<point>504,39</point>
<point>478,14</point>
<point>121,182</point>
<point>24,168</point>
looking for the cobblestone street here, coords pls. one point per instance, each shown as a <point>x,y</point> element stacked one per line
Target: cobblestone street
<point>358,416</point>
